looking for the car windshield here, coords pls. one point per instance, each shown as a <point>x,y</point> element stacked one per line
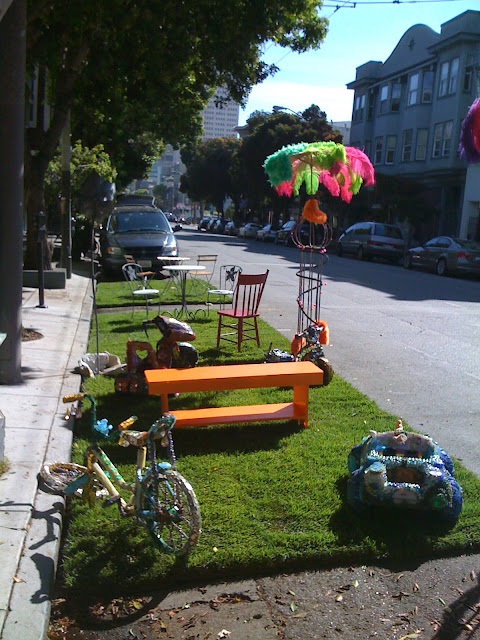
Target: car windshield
<point>136,221</point>
<point>387,231</point>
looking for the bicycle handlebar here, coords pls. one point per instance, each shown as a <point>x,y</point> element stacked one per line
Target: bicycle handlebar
<point>167,420</point>
<point>73,397</point>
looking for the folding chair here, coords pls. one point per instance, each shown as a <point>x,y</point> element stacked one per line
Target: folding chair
<point>228,281</point>
<point>242,317</point>
<point>138,282</point>
<point>204,277</point>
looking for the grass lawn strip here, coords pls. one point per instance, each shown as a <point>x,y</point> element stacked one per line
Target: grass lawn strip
<point>272,495</point>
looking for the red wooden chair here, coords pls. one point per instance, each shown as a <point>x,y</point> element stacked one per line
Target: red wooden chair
<point>241,319</point>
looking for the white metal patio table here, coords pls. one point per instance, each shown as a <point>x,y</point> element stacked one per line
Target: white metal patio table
<point>182,270</point>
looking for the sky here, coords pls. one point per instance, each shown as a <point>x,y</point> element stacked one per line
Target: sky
<point>370,31</point>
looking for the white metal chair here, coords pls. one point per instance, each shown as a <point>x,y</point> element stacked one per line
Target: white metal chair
<point>228,281</point>
<point>138,281</point>
<point>204,277</point>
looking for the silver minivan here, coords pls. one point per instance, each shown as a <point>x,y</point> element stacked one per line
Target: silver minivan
<point>369,240</point>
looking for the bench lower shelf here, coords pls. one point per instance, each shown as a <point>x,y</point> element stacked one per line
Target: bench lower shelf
<point>232,415</point>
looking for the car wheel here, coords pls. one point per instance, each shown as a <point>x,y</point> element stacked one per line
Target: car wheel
<point>361,253</point>
<point>442,267</point>
<point>407,261</point>
<point>339,250</point>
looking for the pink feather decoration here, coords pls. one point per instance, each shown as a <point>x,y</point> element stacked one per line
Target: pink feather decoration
<point>285,188</point>
<point>361,165</point>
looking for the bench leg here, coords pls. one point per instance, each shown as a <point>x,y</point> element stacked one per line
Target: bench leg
<point>164,403</point>
<point>300,399</point>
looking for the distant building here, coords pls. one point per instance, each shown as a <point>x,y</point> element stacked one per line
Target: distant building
<point>407,112</point>
<point>220,121</point>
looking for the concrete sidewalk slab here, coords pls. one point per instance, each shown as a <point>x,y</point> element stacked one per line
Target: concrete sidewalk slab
<point>35,431</point>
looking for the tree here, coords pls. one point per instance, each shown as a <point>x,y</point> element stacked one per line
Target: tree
<point>148,68</point>
<point>84,162</point>
<point>209,171</point>
<point>270,132</point>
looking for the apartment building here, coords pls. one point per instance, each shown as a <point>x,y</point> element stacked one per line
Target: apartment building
<point>408,110</point>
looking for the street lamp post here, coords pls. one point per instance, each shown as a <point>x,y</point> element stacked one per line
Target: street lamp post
<point>276,109</point>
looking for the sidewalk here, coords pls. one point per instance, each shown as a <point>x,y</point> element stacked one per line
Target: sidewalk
<point>35,431</point>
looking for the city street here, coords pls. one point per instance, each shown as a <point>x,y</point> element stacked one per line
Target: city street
<point>410,340</point>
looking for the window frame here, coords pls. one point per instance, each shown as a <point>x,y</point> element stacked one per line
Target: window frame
<point>447,141</point>
<point>426,100</point>
<point>378,153</point>
<point>437,140</point>
<point>420,145</point>
<point>384,100</point>
<point>443,79</point>
<point>395,100</point>
<point>413,90</point>
<point>390,149</point>
<point>453,75</point>
<point>407,145</point>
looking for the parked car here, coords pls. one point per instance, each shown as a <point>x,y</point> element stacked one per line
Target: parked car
<point>204,222</point>
<point>284,234</point>
<point>211,224</point>
<point>446,255</point>
<point>141,232</point>
<point>249,230</point>
<point>218,226</point>
<point>267,233</point>
<point>369,240</point>
<point>231,229</point>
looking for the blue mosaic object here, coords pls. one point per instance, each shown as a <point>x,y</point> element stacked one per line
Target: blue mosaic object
<point>103,427</point>
<point>401,469</point>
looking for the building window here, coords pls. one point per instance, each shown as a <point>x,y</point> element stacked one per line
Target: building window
<point>384,98</point>
<point>427,86</point>
<point>390,151</point>
<point>437,140</point>
<point>421,148</point>
<point>359,108</point>
<point>396,96</point>
<point>367,148</point>
<point>371,105</point>
<point>407,145</point>
<point>443,88</point>
<point>447,138</point>
<point>378,150</point>
<point>467,80</point>
<point>413,89</point>
<point>452,85</point>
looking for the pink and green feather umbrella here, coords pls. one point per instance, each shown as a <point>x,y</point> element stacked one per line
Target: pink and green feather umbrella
<point>342,170</point>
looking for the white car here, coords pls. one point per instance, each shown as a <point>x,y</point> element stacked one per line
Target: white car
<point>249,230</point>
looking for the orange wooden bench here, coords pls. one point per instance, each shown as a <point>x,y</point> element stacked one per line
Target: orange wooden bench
<point>299,375</point>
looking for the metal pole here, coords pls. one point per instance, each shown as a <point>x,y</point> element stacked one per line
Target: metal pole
<point>42,234</point>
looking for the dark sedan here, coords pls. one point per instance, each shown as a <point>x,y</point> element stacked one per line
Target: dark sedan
<point>445,255</point>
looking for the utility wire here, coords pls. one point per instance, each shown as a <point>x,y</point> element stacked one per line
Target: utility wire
<point>353,4</point>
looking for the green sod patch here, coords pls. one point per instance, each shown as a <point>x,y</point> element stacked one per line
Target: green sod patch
<point>272,495</point>
<point>119,294</point>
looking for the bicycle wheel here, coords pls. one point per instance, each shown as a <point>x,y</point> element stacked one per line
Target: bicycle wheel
<point>57,475</point>
<point>173,516</point>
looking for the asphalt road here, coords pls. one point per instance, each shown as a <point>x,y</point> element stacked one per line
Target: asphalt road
<point>409,340</point>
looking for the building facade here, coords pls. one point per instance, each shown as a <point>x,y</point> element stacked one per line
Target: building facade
<point>220,120</point>
<point>408,110</point>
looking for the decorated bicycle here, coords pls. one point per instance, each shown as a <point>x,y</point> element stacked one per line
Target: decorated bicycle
<point>159,498</point>
<point>341,171</point>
